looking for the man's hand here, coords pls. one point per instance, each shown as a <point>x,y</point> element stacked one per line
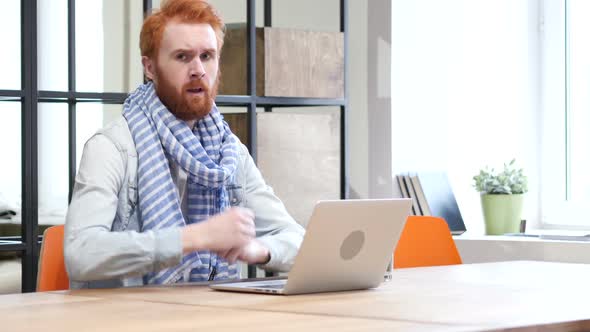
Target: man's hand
<point>252,253</point>
<point>233,228</point>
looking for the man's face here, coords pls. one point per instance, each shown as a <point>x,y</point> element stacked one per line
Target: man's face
<point>185,72</point>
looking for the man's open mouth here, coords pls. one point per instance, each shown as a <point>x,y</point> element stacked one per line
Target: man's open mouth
<point>195,90</point>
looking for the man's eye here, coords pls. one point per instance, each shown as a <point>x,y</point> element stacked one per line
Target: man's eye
<point>205,56</point>
<point>181,57</point>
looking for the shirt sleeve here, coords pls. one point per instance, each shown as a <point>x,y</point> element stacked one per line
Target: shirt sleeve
<point>91,250</point>
<point>275,227</point>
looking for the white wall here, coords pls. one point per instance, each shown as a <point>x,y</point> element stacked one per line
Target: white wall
<point>465,92</point>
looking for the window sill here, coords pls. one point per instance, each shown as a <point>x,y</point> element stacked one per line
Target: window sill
<point>481,249</point>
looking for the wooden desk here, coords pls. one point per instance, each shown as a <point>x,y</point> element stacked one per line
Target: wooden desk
<point>521,295</point>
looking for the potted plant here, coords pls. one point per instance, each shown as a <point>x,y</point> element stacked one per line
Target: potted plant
<point>502,196</point>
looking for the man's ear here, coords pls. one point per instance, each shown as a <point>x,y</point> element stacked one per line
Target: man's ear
<point>149,67</point>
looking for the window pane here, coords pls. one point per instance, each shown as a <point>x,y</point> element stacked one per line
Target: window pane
<point>53,163</point>
<point>10,272</point>
<point>52,38</point>
<point>156,4</point>
<point>10,64</point>
<point>91,117</point>
<point>232,11</point>
<point>107,45</point>
<point>306,14</point>
<point>10,174</point>
<point>579,98</point>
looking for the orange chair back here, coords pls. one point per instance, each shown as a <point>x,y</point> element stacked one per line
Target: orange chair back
<point>425,241</point>
<point>52,273</point>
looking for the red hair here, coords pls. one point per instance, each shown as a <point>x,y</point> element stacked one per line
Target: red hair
<point>184,11</point>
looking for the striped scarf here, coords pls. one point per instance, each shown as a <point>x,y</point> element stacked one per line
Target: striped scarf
<point>208,154</point>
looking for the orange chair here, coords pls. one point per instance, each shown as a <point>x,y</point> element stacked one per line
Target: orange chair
<point>52,273</point>
<point>425,241</point>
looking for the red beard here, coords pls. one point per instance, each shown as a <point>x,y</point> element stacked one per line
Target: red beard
<point>184,105</point>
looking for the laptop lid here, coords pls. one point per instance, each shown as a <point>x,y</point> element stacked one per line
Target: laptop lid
<point>347,246</point>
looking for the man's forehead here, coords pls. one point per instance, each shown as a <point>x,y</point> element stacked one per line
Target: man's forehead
<point>179,35</point>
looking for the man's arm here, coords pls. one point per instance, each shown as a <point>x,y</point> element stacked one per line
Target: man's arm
<point>275,228</point>
<point>91,250</point>
<point>233,228</point>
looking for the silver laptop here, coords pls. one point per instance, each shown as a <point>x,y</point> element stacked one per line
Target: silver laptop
<point>347,246</point>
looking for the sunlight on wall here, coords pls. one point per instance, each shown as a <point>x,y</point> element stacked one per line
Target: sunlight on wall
<point>465,92</point>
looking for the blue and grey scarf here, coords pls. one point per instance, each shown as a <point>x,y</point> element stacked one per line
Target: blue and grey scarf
<point>208,153</point>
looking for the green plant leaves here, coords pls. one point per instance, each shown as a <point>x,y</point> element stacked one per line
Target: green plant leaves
<point>510,181</point>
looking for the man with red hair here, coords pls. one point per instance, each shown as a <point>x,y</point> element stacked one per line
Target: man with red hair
<point>167,193</point>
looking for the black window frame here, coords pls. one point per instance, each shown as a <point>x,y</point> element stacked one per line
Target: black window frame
<point>30,96</point>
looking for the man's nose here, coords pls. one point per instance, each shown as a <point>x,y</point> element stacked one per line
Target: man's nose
<point>197,70</point>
